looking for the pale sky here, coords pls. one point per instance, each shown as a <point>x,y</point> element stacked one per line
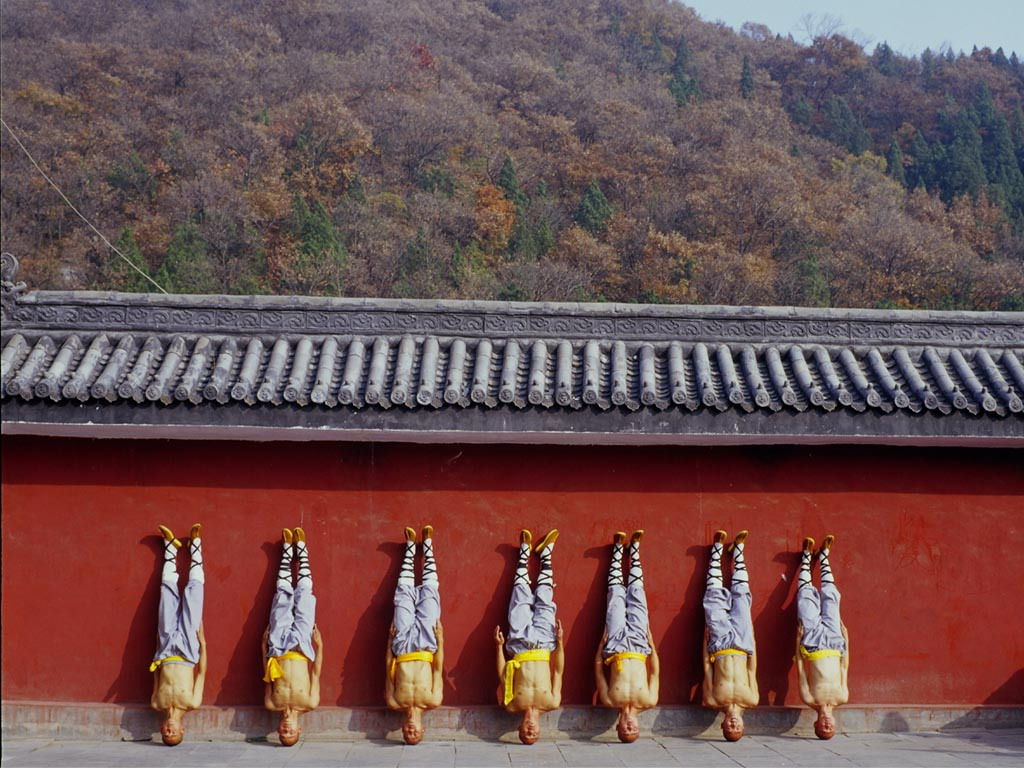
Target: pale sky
<point>909,26</point>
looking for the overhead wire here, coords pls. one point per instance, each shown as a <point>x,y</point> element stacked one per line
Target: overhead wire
<point>71,205</point>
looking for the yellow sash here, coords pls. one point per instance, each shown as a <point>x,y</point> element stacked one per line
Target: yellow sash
<point>617,658</point>
<point>414,656</point>
<point>156,664</point>
<point>537,654</point>
<point>274,670</point>
<point>727,652</point>
<point>824,653</point>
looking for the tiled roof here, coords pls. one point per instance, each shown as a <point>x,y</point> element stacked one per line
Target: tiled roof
<point>680,364</point>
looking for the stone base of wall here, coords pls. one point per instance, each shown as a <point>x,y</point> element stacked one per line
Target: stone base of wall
<point>136,722</point>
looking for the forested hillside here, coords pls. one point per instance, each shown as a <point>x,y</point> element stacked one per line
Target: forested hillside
<point>511,149</point>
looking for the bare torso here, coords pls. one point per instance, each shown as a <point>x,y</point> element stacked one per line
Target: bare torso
<point>293,689</point>
<point>175,688</point>
<point>630,685</point>
<point>532,687</point>
<point>825,682</point>
<point>414,685</point>
<point>731,683</point>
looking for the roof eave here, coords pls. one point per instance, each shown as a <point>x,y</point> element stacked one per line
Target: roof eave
<point>528,426</point>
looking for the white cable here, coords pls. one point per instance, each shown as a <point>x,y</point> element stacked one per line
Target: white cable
<point>71,205</point>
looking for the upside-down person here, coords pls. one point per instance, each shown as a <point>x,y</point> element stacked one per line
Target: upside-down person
<point>179,666</point>
<point>531,681</point>
<point>292,643</point>
<point>822,642</point>
<point>730,666</point>
<point>627,651</point>
<point>414,676</point>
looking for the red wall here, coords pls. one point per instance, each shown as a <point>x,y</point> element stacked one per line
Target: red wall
<point>930,557</point>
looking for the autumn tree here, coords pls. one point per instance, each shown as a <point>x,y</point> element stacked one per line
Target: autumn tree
<point>495,219</point>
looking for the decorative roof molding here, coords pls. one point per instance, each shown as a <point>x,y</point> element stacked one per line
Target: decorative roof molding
<point>289,315</point>
<point>10,290</point>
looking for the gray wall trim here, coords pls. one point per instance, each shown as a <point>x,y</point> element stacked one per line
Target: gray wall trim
<point>503,425</point>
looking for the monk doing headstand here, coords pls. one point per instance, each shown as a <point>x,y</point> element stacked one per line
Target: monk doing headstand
<point>822,642</point>
<point>292,643</point>
<point>414,675</point>
<point>627,650</point>
<point>179,666</point>
<point>531,681</point>
<point>730,666</point>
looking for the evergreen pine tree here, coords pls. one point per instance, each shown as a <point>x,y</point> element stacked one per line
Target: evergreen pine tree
<point>355,192</point>
<point>921,172</point>
<point>882,59</point>
<point>593,211</point>
<point>187,268</point>
<point>682,85</point>
<point>1015,65</point>
<point>997,154</point>
<point>842,127</point>
<point>121,277</point>
<point>813,283</point>
<point>894,163</point>
<point>961,170</point>
<point>800,111</point>
<point>746,79</point>
<point>1017,134</point>
<point>508,182</point>
<point>321,255</point>
<point>927,67</point>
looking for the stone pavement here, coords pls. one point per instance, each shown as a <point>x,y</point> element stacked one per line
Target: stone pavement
<point>996,748</point>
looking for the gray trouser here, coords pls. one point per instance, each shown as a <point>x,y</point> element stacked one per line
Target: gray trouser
<point>178,620</point>
<point>818,612</point>
<point>292,616</point>
<point>417,611</point>
<point>531,619</point>
<point>626,619</point>
<point>727,614</point>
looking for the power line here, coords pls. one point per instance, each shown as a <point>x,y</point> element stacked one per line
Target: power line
<point>73,208</point>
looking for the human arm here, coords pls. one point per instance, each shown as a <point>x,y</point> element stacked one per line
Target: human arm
<point>709,674</point>
<point>156,687</point>
<point>844,664</point>
<point>805,690</point>
<point>437,682</point>
<point>200,681</point>
<point>599,673</point>
<point>557,666</point>
<point>268,688</point>
<point>263,652</point>
<point>389,681</point>
<point>653,671</point>
<point>318,665</point>
<point>499,645</point>
<point>754,695</point>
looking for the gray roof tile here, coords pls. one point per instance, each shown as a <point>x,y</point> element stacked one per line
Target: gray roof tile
<point>434,372</point>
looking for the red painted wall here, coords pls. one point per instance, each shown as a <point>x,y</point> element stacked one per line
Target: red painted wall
<point>930,557</point>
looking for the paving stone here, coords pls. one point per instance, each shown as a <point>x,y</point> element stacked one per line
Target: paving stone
<point>941,750</point>
<point>581,755</point>
<point>480,755</point>
<point>428,755</point>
